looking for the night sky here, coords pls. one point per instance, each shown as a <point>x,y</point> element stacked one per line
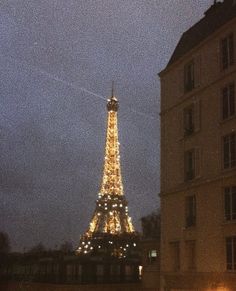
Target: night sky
<point>58,58</point>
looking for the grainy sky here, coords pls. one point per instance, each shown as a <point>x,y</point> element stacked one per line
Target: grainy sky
<point>58,58</point>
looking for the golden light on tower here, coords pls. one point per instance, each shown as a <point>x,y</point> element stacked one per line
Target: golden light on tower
<point>110,217</point>
<point>112,180</point>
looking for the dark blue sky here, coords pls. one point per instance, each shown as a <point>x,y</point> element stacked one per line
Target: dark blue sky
<point>58,59</point>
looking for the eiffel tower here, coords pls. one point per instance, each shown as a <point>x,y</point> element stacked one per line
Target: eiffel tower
<point>110,232</point>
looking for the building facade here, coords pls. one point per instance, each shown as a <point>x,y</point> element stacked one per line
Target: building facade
<point>198,156</point>
<point>150,246</point>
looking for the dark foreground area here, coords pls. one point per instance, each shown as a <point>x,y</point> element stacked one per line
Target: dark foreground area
<point>24,286</point>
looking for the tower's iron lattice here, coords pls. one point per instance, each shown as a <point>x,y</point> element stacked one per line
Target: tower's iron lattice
<point>110,231</point>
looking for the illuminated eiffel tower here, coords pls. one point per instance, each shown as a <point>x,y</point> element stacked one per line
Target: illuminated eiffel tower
<point>110,232</point>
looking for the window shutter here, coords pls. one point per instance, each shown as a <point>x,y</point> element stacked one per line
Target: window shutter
<point>181,80</point>
<point>197,71</point>
<point>224,53</point>
<point>231,49</point>
<point>197,162</point>
<point>181,124</point>
<point>231,99</point>
<point>197,115</point>
<point>225,106</point>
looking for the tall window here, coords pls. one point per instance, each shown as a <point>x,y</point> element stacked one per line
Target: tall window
<point>190,205</point>
<point>189,120</point>
<point>99,272</point>
<point>230,203</point>
<point>227,51</point>
<point>175,255</point>
<point>228,101</point>
<point>231,253</point>
<point>189,165</point>
<point>191,254</point>
<point>229,151</point>
<point>152,256</point>
<point>189,76</point>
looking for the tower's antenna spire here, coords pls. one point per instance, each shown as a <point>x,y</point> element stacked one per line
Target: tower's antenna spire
<point>112,89</point>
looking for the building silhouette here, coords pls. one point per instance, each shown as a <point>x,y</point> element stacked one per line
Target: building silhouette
<point>198,156</point>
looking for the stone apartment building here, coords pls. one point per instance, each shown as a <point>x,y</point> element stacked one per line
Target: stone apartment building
<point>198,156</point>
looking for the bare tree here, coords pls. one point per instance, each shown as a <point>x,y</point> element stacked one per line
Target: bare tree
<point>38,249</point>
<point>4,243</point>
<point>66,247</point>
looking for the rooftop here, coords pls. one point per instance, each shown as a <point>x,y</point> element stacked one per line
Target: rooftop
<point>215,17</point>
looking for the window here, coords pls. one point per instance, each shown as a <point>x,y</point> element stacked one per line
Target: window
<point>99,273</point>
<point>192,167</point>
<point>152,256</point>
<point>228,101</point>
<point>189,165</point>
<point>128,270</point>
<point>227,51</point>
<point>231,253</point>
<point>115,270</point>
<point>175,255</point>
<point>229,151</point>
<point>230,203</point>
<point>190,204</point>
<point>100,270</point>
<point>189,120</point>
<point>189,76</point>
<point>191,254</point>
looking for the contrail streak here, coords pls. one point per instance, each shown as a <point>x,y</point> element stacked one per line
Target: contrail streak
<point>72,85</point>
<point>53,77</point>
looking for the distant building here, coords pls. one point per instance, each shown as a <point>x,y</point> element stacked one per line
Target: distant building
<point>198,156</point>
<point>150,246</point>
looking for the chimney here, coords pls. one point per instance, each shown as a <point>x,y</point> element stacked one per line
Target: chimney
<point>213,8</point>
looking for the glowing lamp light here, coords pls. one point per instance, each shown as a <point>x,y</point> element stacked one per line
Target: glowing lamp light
<point>140,271</point>
<point>219,287</point>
